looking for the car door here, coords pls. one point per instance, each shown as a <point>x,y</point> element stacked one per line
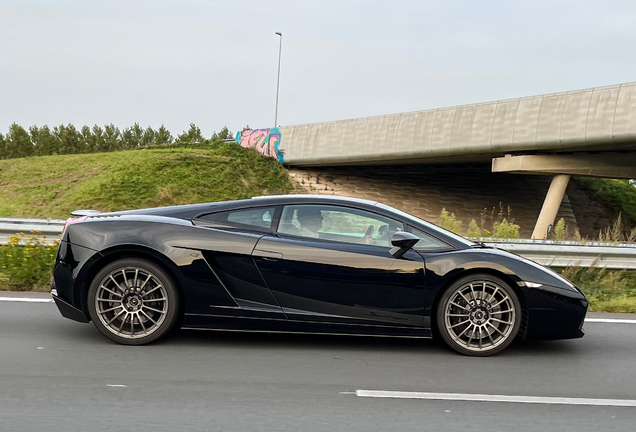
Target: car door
<point>237,272</point>
<point>340,269</point>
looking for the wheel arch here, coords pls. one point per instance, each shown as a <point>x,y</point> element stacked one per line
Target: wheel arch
<point>506,277</point>
<point>118,252</point>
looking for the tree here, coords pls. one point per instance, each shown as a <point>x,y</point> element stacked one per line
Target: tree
<point>34,134</point>
<point>163,136</point>
<point>18,142</point>
<point>66,139</point>
<point>3,147</point>
<point>88,140</point>
<point>71,141</point>
<point>192,136</point>
<point>132,137</point>
<point>112,140</point>
<point>223,134</point>
<point>148,138</point>
<point>98,140</point>
<point>45,142</point>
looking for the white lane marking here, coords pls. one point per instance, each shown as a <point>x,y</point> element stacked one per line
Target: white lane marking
<point>116,385</point>
<point>26,299</point>
<point>495,398</point>
<point>610,320</point>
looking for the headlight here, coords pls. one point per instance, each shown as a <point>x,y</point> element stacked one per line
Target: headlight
<point>529,284</point>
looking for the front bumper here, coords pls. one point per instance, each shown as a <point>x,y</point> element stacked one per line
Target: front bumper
<point>553,316</point>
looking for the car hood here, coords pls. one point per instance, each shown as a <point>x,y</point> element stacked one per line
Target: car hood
<point>542,274</point>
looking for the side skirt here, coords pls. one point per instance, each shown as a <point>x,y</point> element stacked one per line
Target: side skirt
<point>307,333</point>
<point>261,325</point>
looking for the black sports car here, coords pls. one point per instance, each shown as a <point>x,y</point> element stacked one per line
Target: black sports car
<point>304,263</point>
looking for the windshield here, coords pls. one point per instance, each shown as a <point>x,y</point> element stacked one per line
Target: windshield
<point>428,225</point>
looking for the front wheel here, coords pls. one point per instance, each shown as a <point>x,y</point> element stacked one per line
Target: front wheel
<point>479,315</point>
<point>133,301</point>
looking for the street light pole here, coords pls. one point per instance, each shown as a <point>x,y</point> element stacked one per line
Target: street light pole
<point>280,50</point>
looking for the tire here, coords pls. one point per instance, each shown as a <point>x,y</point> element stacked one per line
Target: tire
<point>479,315</point>
<point>133,301</point>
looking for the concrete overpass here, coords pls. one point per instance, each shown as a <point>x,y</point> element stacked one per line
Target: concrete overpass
<point>590,132</point>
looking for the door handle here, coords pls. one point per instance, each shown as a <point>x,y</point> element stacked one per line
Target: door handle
<point>268,255</point>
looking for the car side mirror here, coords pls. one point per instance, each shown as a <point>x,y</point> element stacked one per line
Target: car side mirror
<point>402,241</point>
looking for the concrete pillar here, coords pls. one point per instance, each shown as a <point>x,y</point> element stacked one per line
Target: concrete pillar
<point>550,206</point>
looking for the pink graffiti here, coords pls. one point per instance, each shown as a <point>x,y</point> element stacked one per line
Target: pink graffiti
<point>264,141</point>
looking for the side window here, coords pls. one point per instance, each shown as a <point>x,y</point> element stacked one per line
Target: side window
<point>427,241</point>
<point>337,223</point>
<point>255,218</point>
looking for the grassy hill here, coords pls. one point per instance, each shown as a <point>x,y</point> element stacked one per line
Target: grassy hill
<point>616,195</point>
<point>53,186</point>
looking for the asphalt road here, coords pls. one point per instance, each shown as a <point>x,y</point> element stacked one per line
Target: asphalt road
<point>58,375</point>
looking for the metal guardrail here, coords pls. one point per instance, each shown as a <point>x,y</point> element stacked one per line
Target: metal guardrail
<point>47,221</point>
<point>554,242</point>
<point>576,255</point>
<point>10,226</point>
<point>51,228</point>
<point>548,253</point>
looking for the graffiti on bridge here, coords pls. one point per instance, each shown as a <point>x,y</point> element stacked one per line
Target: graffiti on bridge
<point>266,141</point>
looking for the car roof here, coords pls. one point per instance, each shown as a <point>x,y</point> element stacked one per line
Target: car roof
<point>312,197</point>
<point>189,211</point>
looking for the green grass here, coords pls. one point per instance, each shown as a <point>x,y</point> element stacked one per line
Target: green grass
<point>618,195</point>
<point>53,186</point>
<point>607,290</point>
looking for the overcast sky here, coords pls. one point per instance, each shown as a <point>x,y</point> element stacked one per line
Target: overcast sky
<point>214,62</point>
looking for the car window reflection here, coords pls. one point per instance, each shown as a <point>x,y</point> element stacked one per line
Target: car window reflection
<point>337,223</point>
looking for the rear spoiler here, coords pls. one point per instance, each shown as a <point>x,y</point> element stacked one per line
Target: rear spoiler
<point>85,213</point>
<point>78,216</point>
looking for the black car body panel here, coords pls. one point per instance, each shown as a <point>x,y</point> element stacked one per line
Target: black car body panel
<point>555,310</point>
<point>237,278</point>
<point>343,283</point>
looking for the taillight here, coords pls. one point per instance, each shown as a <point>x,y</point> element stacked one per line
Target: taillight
<point>71,221</point>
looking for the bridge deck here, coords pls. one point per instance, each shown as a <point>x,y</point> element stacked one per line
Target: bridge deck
<point>596,119</point>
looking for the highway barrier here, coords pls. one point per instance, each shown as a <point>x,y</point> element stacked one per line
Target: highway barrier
<point>548,253</point>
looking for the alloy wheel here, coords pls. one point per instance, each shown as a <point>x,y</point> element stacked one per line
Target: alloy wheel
<point>131,302</point>
<point>480,316</point>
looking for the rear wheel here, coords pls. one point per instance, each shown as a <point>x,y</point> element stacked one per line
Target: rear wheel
<point>133,301</point>
<point>479,315</point>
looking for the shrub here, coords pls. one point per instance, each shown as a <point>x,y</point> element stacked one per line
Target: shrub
<point>617,232</point>
<point>559,230</point>
<point>26,262</point>
<point>449,222</point>
<point>505,230</point>
<point>503,225</point>
<point>618,195</point>
<point>473,229</point>
<point>607,290</point>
